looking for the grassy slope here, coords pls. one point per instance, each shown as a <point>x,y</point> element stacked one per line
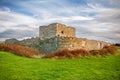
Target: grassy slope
<point>95,68</point>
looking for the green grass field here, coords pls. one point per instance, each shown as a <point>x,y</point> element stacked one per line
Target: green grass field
<point>13,67</point>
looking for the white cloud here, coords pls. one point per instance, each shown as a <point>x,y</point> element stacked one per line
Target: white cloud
<point>16,25</point>
<point>104,22</point>
<point>13,19</point>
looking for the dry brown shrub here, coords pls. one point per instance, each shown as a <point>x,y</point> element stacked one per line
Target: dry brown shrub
<point>19,50</point>
<point>111,49</point>
<point>48,55</point>
<point>65,53</point>
<point>94,52</point>
<point>103,52</point>
<point>80,52</point>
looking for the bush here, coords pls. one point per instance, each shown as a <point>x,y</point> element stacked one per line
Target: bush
<point>65,53</point>
<point>80,52</point>
<point>20,50</point>
<point>77,53</point>
<point>111,49</point>
<point>104,51</point>
<point>94,52</point>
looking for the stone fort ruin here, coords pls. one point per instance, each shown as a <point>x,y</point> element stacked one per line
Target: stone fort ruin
<point>58,36</point>
<point>56,29</point>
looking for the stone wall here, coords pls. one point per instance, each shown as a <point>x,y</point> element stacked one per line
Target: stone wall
<point>12,41</point>
<point>80,43</point>
<point>64,31</point>
<point>48,45</point>
<point>71,43</point>
<point>56,29</point>
<point>58,43</point>
<point>47,31</point>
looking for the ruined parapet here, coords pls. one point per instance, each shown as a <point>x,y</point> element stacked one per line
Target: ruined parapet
<point>71,43</point>
<point>58,43</point>
<point>47,31</point>
<point>65,31</point>
<point>56,29</point>
<point>29,41</point>
<point>80,43</point>
<point>12,41</point>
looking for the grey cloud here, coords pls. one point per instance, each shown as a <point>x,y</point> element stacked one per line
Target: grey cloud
<point>84,29</point>
<point>112,18</point>
<point>18,33</point>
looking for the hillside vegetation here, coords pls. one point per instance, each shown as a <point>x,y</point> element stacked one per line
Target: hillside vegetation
<point>13,67</point>
<point>78,53</point>
<point>20,50</point>
<point>65,53</point>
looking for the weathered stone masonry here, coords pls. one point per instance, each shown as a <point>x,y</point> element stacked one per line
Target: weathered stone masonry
<point>59,43</point>
<point>56,29</point>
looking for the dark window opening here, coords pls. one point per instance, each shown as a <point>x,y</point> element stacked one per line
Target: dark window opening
<point>62,32</point>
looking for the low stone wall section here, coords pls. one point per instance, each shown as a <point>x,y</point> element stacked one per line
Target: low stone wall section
<point>58,43</point>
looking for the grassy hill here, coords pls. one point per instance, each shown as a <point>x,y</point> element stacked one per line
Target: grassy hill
<point>13,67</point>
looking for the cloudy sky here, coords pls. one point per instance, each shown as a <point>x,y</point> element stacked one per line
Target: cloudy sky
<point>93,19</point>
